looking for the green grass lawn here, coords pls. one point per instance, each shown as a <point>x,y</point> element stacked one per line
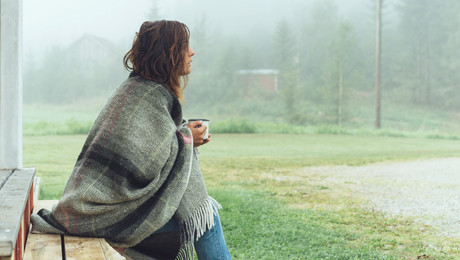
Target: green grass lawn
<point>258,217</point>
<point>257,227</point>
<point>62,113</point>
<point>330,149</point>
<point>262,152</point>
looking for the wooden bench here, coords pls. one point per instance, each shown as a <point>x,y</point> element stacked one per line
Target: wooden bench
<point>18,188</point>
<point>57,247</point>
<point>16,203</point>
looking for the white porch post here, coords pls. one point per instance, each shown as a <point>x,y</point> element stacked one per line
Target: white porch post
<point>11,84</point>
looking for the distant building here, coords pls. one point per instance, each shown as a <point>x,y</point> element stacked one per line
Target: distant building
<point>92,51</point>
<point>266,79</point>
<point>94,65</point>
<point>93,48</point>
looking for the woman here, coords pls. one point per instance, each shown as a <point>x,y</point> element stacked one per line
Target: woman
<point>137,182</point>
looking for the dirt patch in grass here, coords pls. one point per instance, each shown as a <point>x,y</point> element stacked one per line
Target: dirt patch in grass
<point>377,202</point>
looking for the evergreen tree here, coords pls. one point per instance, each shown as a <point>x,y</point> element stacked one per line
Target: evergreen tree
<point>451,56</point>
<point>284,60</point>
<point>424,34</point>
<point>51,78</point>
<point>201,43</point>
<point>202,77</point>
<point>154,11</point>
<point>284,46</point>
<point>315,57</point>
<point>341,47</point>
<point>31,91</point>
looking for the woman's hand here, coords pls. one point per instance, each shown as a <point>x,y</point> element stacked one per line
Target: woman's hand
<point>207,140</point>
<point>198,132</point>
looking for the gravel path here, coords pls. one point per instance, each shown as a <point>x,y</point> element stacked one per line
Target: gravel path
<point>428,190</point>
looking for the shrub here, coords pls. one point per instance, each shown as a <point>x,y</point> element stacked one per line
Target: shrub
<point>70,127</point>
<point>233,127</point>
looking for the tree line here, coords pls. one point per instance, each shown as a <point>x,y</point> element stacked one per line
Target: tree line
<point>327,62</point>
<point>326,65</point>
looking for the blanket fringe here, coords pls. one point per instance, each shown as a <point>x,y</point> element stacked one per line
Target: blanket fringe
<point>195,226</point>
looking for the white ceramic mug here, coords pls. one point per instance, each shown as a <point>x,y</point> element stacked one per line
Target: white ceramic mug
<point>205,122</point>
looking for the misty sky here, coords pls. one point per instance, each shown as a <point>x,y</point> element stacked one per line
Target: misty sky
<point>58,22</point>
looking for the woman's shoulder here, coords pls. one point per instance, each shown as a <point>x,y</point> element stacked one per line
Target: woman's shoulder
<point>152,87</point>
<point>153,93</point>
<point>139,87</point>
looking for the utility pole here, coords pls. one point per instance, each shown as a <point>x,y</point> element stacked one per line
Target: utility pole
<point>339,113</point>
<point>377,65</point>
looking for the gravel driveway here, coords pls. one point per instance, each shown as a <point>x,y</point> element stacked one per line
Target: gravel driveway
<point>428,190</point>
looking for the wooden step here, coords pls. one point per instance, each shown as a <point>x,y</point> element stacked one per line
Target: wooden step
<point>58,247</point>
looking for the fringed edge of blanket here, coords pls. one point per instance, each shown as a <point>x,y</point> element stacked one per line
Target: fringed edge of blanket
<point>194,227</point>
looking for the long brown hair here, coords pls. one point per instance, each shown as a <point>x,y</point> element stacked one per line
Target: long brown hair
<point>159,54</point>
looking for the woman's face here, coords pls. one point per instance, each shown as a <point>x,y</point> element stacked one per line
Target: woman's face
<point>188,60</point>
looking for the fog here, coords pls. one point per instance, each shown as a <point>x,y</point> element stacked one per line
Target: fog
<point>54,22</point>
<point>261,60</point>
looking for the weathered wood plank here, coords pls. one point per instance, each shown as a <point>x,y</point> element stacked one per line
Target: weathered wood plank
<point>13,199</point>
<point>37,182</point>
<point>105,249</point>
<point>4,174</point>
<point>110,253</point>
<point>76,247</point>
<point>43,247</point>
<point>44,204</point>
<point>20,240</point>
<point>83,248</point>
<point>13,256</point>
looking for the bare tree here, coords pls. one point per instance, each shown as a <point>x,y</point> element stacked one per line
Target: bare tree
<point>377,67</point>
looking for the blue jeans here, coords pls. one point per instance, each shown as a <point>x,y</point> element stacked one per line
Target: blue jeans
<point>210,246</point>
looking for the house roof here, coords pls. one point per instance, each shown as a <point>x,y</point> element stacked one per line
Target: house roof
<point>101,42</point>
<point>258,72</point>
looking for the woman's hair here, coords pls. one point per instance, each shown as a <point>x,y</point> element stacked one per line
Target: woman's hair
<point>159,54</point>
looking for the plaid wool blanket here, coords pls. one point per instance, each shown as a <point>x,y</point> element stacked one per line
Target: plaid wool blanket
<point>136,171</point>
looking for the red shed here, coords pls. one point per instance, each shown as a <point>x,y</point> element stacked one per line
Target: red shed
<point>265,78</point>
